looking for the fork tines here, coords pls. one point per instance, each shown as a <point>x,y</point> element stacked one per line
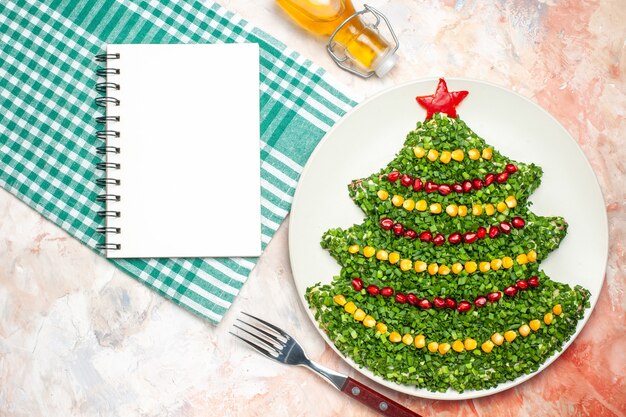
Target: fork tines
<point>262,336</point>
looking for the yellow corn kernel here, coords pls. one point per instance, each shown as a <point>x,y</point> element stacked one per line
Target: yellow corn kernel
<point>484,266</point>
<point>420,266</point>
<point>421,205</point>
<point>470,344</point>
<point>452,210</point>
<point>433,268</point>
<point>419,341</point>
<point>435,208</point>
<point>445,157</point>
<point>433,346</point>
<point>531,255</point>
<point>501,207</point>
<point>462,211</point>
<point>510,335</point>
<point>432,155</point>
<point>397,200</point>
<point>524,330</point>
<point>369,321</point>
<point>394,257</point>
<point>557,309</point>
<point>487,346</point>
<point>382,255</point>
<point>382,194</point>
<point>407,339</point>
<point>473,154</point>
<point>496,264</point>
<point>547,318</point>
<point>368,251</point>
<point>340,299</point>
<point>477,209</point>
<point>408,204</point>
<point>457,268</point>
<point>457,346</point>
<point>489,209</point>
<point>470,266</point>
<point>418,152</point>
<point>497,338</point>
<point>381,327</point>
<point>444,270</point>
<point>354,249</point>
<point>444,348</point>
<point>406,264</point>
<point>395,337</point>
<point>458,155</point>
<point>510,201</point>
<point>507,262</point>
<point>359,314</point>
<point>487,153</point>
<point>534,324</point>
<point>522,259</point>
<point>350,307</point>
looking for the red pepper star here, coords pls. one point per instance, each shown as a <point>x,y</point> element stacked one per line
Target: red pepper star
<point>442,101</point>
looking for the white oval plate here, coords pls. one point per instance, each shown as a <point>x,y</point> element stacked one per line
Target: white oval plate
<point>368,137</point>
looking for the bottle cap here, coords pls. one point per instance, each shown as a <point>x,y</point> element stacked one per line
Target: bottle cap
<point>386,63</point>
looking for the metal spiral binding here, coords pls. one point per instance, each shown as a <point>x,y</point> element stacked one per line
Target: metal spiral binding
<point>106,134</point>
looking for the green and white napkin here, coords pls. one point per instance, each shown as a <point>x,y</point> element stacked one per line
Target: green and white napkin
<point>47,135</point>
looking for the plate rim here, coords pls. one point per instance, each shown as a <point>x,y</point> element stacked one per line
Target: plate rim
<point>423,392</point>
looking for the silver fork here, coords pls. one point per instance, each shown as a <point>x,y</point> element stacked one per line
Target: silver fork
<point>276,344</point>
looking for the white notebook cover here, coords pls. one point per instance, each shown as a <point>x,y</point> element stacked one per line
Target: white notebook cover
<point>189,151</point>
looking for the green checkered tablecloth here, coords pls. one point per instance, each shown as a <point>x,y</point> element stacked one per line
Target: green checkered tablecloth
<point>47,128</point>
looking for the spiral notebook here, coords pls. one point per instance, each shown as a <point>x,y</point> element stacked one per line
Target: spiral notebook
<point>181,150</point>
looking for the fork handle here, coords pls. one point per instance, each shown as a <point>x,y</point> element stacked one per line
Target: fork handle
<point>375,400</point>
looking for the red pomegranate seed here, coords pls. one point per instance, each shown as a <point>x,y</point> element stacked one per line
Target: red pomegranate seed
<point>480,301</point>
<point>398,229</point>
<point>505,227</point>
<point>470,237</point>
<point>410,234</point>
<point>445,189</point>
<point>457,188</point>
<point>477,183</point>
<point>454,238</point>
<point>425,304</point>
<point>518,222</point>
<point>510,291</point>
<point>386,292</point>
<point>400,298</point>
<point>393,176</point>
<point>481,232</point>
<point>467,186</point>
<point>426,236</point>
<point>439,302</point>
<point>430,187</point>
<point>502,177</point>
<point>521,284</point>
<point>412,299</point>
<point>493,231</point>
<point>373,289</point>
<point>510,168</point>
<point>489,179</point>
<point>533,281</point>
<point>406,180</point>
<point>439,240</point>
<point>494,296</point>
<point>464,306</point>
<point>450,303</point>
<point>417,184</point>
<point>386,223</point>
<point>357,284</point>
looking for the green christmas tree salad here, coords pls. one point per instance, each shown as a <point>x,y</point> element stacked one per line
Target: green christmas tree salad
<point>440,286</point>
